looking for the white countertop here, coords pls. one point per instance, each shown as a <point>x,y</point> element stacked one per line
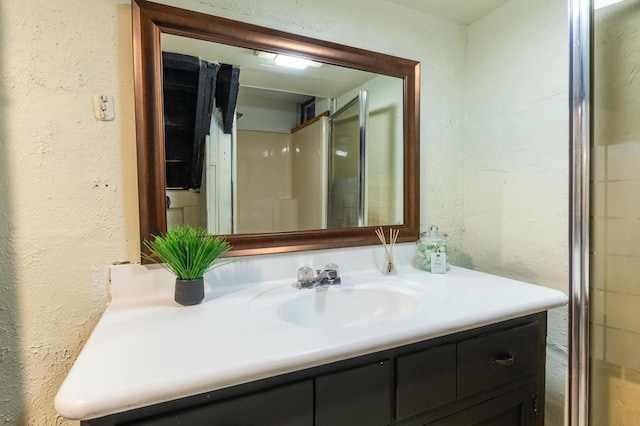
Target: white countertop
<point>146,349</point>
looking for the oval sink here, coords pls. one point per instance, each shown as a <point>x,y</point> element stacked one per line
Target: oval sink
<point>338,306</point>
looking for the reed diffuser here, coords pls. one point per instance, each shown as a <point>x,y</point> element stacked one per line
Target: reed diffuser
<point>389,268</point>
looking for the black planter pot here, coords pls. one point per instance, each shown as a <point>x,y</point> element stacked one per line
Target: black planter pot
<point>189,292</point>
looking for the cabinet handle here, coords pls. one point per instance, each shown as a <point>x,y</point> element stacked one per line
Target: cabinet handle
<point>504,359</point>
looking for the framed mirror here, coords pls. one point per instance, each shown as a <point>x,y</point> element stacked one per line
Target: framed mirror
<point>254,171</point>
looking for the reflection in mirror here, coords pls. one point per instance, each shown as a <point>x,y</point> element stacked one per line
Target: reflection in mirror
<point>253,146</point>
<point>359,109</point>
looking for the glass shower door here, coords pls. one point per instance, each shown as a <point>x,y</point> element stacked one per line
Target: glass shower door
<point>615,217</point>
<point>347,160</point>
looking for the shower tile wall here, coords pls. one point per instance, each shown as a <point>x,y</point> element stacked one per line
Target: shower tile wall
<point>615,221</point>
<point>343,209</point>
<point>615,285</point>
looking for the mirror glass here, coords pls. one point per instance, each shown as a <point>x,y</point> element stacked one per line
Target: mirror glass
<point>310,145</point>
<point>277,158</point>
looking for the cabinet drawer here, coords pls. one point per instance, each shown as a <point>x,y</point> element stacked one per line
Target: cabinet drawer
<point>497,358</point>
<point>425,380</point>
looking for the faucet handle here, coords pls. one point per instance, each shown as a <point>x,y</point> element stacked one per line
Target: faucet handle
<point>333,271</point>
<point>306,276</point>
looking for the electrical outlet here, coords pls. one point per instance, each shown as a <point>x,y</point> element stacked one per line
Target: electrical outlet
<point>104,108</point>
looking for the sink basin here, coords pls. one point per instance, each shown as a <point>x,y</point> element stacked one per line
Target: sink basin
<point>338,306</point>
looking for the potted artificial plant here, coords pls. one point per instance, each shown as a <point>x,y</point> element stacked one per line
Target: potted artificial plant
<point>187,253</point>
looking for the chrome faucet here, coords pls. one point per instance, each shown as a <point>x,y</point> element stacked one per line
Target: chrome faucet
<point>308,278</point>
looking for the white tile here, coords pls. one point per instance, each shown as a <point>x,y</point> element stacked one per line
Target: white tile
<point>623,274</point>
<point>623,160</point>
<point>623,198</point>
<point>597,271</point>
<point>622,348</point>
<point>623,237</point>
<point>596,346</point>
<point>596,304</point>
<point>598,155</point>
<point>623,311</point>
<point>598,200</point>
<point>598,235</point>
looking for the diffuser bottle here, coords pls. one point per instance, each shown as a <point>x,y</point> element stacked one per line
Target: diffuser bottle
<point>431,251</point>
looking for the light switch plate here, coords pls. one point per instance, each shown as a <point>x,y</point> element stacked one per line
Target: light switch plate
<point>104,107</point>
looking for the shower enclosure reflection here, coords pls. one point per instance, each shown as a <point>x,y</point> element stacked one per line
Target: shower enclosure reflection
<point>347,199</point>
<point>285,149</point>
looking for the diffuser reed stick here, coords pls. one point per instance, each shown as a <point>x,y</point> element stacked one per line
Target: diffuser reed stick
<point>388,248</point>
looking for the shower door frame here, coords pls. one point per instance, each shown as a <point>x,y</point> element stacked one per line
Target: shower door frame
<point>580,96</point>
<point>362,100</point>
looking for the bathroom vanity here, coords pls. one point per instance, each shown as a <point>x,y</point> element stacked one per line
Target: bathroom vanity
<point>413,349</point>
<point>489,375</point>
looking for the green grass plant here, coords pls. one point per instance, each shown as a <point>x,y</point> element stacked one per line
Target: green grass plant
<point>187,252</point>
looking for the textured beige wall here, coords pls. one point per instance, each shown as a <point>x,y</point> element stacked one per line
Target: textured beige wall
<point>68,202</point>
<point>68,194</point>
<point>516,149</point>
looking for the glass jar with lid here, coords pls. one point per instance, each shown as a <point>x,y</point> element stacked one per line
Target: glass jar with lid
<point>431,251</point>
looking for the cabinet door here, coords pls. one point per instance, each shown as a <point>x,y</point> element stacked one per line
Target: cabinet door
<point>515,408</point>
<point>289,405</point>
<point>360,396</point>
<point>425,380</point>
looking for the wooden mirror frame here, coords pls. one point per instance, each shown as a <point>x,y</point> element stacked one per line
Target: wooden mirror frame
<point>151,19</point>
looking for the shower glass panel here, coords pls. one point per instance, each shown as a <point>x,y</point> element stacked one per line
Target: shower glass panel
<point>347,184</point>
<point>615,217</point>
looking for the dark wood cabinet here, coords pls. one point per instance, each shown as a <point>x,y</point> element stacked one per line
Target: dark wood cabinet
<point>496,358</point>
<point>492,375</point>
<point>425,380</point>
<point>360,395</point>
<point>515,408</point>
<point>289,405</point>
